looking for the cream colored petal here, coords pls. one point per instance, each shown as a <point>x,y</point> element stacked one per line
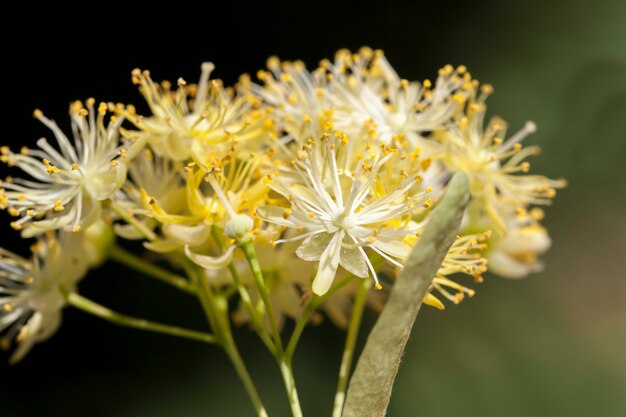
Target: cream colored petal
<point>504,265</point>
<point>352,261</point>
<point>111,179</point>
<point>162,246</point>
<point>211,262</point>
<point>312,247</point>
<point>178,148</point>
<point>27,335</point>
<point>127,231</point>
<point>533,239</point>
<point>188,235</point>
<point>394,248</point>
<point>276,215</point>
<point>327,269</point>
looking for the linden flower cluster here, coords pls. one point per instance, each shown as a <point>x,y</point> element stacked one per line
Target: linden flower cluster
<point>278,193</point>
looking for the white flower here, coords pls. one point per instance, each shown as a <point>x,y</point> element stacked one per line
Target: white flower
<point>495,166</point>
<point>298,98</point>
<point>194,120</point>
<point>32,291</point>
<point>344,212</point>
<point>65,185</point>
<point>369,96</point>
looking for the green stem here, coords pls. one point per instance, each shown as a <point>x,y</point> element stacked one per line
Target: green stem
<point>253,261</point>
<point>290,385</point>
<point>314,302</point>
<point>247,300</point>
<point>348,351</point>
<point>244,375</point>
<point>216,310</point>
<point>135,262</point>
<point>88,306</point>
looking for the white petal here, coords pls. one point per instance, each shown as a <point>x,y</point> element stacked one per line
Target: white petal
<point>313,246</point>
<point>189,235</point>
<point>162,246</point>
<point>353,262</point>
<point>393,248</point>
<point>127,231</point>
<point>508,267</point>
<point>110,179</point>
<point>273,214</point>
<point>27,335</point>
<point>527,239</point>
<point>210,262</point>
<point>329,261</point>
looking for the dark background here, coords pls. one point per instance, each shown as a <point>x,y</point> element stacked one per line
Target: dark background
<point>551,345</point>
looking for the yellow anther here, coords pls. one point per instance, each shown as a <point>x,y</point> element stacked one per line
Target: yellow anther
<point>525,166</point>
<point>378,287</point>
<point>486,88</point>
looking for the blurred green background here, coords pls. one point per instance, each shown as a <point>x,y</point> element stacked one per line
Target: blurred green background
<point>551,345</point>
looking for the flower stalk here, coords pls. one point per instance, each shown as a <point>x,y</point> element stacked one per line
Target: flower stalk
<point>81,303</point>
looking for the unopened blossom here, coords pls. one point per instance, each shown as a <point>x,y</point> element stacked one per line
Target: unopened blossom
<point>342,210</point>
<point>32,291</point>
<point>66,183</point>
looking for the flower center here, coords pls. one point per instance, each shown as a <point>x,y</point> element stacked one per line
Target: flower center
<point>397,119</point>
<point>345,220</point>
